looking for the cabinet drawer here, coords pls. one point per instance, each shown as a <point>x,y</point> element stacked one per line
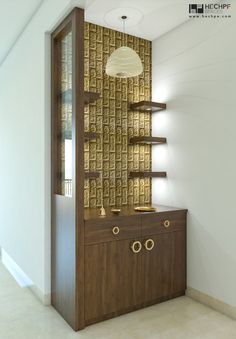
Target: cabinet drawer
<point>102,230</point>
<point>163,222</point>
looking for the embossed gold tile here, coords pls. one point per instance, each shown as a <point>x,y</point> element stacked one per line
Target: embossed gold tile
<point>99,196</point>
<point>93,202</point>
<point>112,164</point>
<point>136,162</point>
<point>106,188</point>
<point>136,195</point>
<point>112,104</point>
<point>86,87</point>
<point>105,115</point>
<point>112,142</point>
<point>86,147</point>
<point>92,192</point>
<point>112,197</point>
<point>106,82</point>
<point>86,161</point>
<point>105,173</point>
<point>130,187</point>
<point>118,135</point>
<point>136,182</point>
<point>99,164</point>
<point>118,169</point>
<point>111,117</point>
<point>124,196</point>
<point>99,143</point>
<point>130,166</point>
<point>124,143</point>
<point>118,84</point>
<point>124,161</point>
<point>92,166</point>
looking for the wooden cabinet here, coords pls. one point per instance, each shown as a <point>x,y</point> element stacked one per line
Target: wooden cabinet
<point>178,269</point>
<point>156,223</point>
<point>102,230</point>
<point>168,230</point>
<point>112,279</point>
<point>121,278</point>
<point>112,270</point>
<point>156,269</point>
<point>100,266</point>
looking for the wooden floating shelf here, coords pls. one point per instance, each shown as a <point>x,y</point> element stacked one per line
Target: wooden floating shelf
<point>148,106</point>
<point>90,97</point>
<point>91,135</point>
<point>91,175</point>
<point>148,140</point>
<point>147,175</point>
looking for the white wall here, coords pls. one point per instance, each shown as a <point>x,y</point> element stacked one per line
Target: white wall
<point>25,147</point>
<point>194,71</point>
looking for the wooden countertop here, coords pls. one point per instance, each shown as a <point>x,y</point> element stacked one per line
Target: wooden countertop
<point>93,213</point>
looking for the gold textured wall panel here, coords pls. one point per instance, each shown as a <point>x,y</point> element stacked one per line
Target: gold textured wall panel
<point>111,154</point>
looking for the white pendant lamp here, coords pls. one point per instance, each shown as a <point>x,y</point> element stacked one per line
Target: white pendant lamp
<point>124,62</point>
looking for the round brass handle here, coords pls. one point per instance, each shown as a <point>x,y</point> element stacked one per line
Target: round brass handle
<point>136,246</point>
<point>115,230</point>
<point>167,223</point>
<point>149,244</point>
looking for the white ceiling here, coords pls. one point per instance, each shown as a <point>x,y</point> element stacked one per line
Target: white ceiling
<point>157,16</point>
<point>148,18</point>
<point>14,15</point>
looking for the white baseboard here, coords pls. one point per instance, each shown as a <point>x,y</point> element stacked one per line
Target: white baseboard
<point>44,298</point>
<point>211,302</point>
<point>22,279</point>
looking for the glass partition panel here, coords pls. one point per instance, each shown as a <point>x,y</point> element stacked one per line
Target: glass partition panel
<point>65,122</point>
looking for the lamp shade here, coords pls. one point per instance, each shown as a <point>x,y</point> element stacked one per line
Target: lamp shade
<point>124,62</point>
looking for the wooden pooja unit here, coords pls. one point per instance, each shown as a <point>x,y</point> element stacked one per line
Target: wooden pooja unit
<point>102,266</point>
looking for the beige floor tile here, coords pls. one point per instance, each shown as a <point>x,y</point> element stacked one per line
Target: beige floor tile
<point>22,316</point>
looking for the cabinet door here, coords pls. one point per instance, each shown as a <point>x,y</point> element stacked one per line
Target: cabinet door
<point>112,279</point>
<point>156,268</point>
<point>178,262</point>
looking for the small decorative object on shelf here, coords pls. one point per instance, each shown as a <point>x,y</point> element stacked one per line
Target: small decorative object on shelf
<point>102,212</point>
<point>147,106</point>
<point>116,210</point>
<point>145,209</point>
<point>148,140</point>
<point>147,175</point>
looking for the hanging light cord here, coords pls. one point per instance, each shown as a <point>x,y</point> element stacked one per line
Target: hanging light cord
<point>124,18</point>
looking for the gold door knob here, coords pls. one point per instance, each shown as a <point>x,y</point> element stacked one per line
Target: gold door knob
<point>149,244</point>
<point>136,246</point>
<point>115,230</point>
<point>167,223</point>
